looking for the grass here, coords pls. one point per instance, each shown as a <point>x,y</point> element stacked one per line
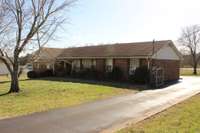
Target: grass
<point>188,72</point>
<point>42,95</point>
<point>182,118</point>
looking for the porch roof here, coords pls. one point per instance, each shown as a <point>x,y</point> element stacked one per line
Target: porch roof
<point>46,54</point>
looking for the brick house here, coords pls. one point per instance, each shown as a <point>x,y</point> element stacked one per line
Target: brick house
<point>126,56</point>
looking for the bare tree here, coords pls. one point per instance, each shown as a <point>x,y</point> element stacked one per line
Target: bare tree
<point>190,39</point>
<point>27,23</point>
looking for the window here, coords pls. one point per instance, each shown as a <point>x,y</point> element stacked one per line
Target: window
<point>43,66</point>
<point>48,66</point>
<point>134,63</point>
<point>76,64</point>
<point>87,63</point>
<point>94,63</point>
<point>109,65</point>
<point>38,66</point>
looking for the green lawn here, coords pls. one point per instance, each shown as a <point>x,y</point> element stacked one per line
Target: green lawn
<point>42,95</point>
<point>182,118</point>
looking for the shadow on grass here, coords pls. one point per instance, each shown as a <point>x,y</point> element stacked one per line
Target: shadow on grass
<point>3,94</point>
<point>3,82</point>
<point>120,84</point>
<point>7,81</point>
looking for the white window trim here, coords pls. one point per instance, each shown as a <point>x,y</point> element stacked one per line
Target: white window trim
<point>134,63</point>
<point>87,63</point>
<point>109,64</point>
<point>76,65</point>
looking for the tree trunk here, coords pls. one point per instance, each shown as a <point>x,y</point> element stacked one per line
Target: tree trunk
<point>14,87</point>
<point>195,69</point>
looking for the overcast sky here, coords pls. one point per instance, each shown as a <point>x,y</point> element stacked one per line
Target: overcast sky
<point>115,21</point>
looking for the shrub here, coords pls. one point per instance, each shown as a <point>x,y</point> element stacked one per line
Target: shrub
<point>116,74</point>
<point>46,73</point>
<point>61,73</point>
<point>93,73</point>
<point>88,73</point>
<point>141,75</point>
<point>75,74</point>
<point>100,75</point>
<point>32,74</point>
<point>108,76</point>
<point>83,73</point>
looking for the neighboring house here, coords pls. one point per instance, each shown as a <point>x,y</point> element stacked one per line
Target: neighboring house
<point>3,69</point>
<point>45,58</point>
<point>126,56</point>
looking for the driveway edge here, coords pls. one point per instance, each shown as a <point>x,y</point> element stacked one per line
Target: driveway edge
<point>148,113</point>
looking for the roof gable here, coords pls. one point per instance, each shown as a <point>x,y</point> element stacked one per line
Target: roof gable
<point>47,54</point>
<point>168,52</point>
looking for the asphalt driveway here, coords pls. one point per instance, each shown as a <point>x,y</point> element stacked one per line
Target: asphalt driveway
<point>105,115</point>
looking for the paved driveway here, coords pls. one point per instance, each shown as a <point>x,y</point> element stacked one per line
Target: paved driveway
<point>105,115</point>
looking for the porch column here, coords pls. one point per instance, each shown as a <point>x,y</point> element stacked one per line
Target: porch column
<point>72,67</point>
<point>64,65</point>
<point>38,66</point>
<point>81,64</point>
<point>53,68</point>
<point>148,63</point>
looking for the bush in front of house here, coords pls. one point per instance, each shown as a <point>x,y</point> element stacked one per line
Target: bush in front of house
<point>141,75</point>
<point>61,73</point>
<point>46,73</point>
<point>92,73</point>
<point>116,74</point>
<point>32,74</point>
<point>87,73</point>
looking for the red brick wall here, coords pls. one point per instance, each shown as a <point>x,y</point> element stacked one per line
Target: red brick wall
<point>100,65</point>
<point>123,64</point>
<point>171,68</point>
<point>143,62</point>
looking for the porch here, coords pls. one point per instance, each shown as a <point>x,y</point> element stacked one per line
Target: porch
<point>67,67</point>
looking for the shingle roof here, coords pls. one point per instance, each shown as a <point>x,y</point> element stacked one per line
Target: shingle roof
<point>114,50</point>
<point>47,54</point>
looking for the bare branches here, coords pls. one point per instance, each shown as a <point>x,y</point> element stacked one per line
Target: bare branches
<point>35,21</point>
<point>27,23</point>
<point>190,39</point>
<point>42,16</point>
<point>44,12</point>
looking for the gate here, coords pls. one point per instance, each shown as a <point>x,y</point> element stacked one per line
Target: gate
<point>157,77</point>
